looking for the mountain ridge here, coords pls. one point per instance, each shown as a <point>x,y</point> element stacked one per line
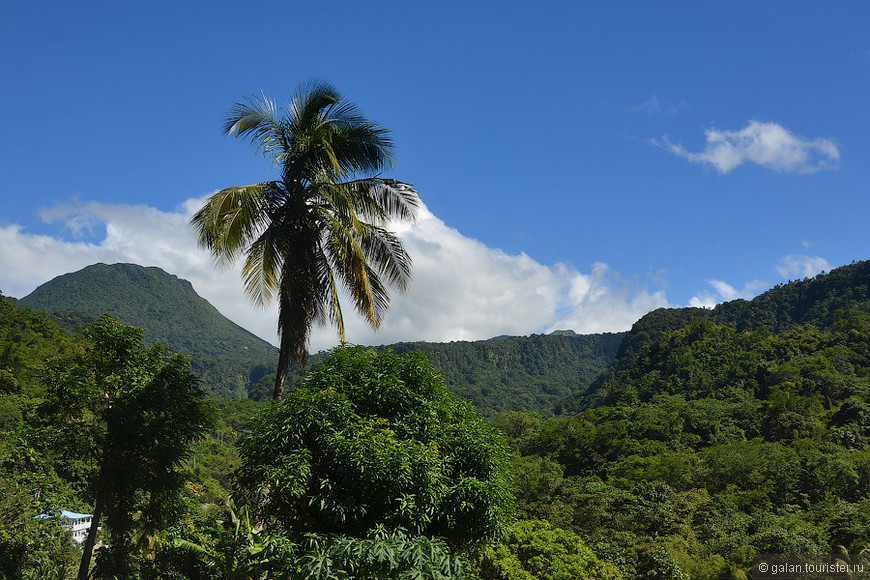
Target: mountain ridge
<point>504,373</point>
<point>228,358</point>
<point>811,301</point>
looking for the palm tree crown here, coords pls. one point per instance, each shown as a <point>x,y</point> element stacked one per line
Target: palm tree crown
<point>322,225</point>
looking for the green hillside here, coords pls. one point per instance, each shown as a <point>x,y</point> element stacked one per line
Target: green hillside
<point>716,435</point>
<point>809,302</point>
<point>519,372</point>
<point>497,375</point>
<point>227,357</point>
<point>507,373</point>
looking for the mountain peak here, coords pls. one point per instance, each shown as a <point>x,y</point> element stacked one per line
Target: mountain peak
<point>564,333</point>
<point>170,311</point>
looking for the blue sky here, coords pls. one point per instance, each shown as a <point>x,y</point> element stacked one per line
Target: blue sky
<point>580,162</point>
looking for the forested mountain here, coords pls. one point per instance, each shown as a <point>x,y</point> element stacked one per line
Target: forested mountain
<point>497,375</point>
<point>506,373</point>
<point>809,302</point>
<point>182,524</point>
<point>519,372</point>
<point>717,435</point>
<point>228,358</point>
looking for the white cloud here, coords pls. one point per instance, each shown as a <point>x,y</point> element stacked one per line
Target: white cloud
<point>797,266</point>
<point>136,234</point>
<point>794,266</point>
<point>724,292</point>
<point>766,144</point>
<point>462,289</point>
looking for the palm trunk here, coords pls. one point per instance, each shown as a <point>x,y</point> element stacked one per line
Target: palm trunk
<point>295,313</point>
<point>290,350</point>
<point>283,362</point>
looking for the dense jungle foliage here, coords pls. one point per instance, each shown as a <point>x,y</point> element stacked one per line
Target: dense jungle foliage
<point>519,373</point>
<point>714,446</point>
<point>714,436</point>
<point>512,373</point>
<point>799,304</point>
<point>425,477</point>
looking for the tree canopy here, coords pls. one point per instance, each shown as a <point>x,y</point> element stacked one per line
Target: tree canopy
<point>376,440</point>
<point>126,415</point>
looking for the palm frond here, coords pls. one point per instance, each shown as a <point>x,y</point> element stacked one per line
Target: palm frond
<point>231,218</point>
<point>320,226</point>
<point>384,199</point>
<point>386,252</point>
<point>257,121</point>
<point>262,269</point>
<point>338,202</point>
<point>380,297</point>
<point>331,303</point>
<point>348,260</point>
<point>361,148</point>
<point>191,547</point>
<point>325,132</point>
<point>309,102</point>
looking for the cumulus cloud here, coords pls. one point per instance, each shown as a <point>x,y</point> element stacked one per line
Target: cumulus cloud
<point>793,266</point>
<point>766,144</point>
<point>462,289</point>
<point>797,266</point>
<point>723,292</point>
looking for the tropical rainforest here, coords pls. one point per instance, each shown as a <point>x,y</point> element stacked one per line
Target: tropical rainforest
<point>702,438</point>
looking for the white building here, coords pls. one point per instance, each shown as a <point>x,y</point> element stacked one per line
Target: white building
<point>77,524</point>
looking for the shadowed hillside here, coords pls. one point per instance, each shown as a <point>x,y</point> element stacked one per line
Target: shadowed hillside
<point>519,372</point>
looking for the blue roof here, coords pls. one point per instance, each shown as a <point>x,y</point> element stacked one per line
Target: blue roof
<point>68,515</point>
<point>73,515</point>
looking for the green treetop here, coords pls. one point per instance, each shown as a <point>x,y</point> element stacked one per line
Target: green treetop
<point>129,414</point>
<point>376,441</point>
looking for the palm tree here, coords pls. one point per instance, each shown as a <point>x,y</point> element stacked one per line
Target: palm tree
<point>321,225</point>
